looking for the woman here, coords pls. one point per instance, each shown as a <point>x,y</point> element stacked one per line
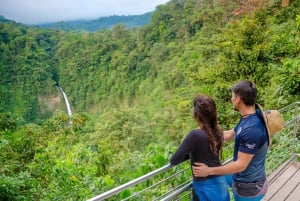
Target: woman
<point>204,145</point>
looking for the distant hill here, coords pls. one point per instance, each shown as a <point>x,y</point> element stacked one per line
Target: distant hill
<point>3,19</point>
<point>100,23</point>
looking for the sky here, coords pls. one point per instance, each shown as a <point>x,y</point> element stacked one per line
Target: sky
<point>43,11</point>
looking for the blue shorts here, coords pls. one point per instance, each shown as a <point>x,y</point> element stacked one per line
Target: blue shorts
<point>214,189</point>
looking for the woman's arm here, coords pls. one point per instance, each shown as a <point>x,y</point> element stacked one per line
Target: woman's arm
<point>182,153</point>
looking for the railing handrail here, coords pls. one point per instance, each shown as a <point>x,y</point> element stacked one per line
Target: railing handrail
<point>289,106</point>
<point>131,183</point>
<point>140,179</point>
<point>177,192</point>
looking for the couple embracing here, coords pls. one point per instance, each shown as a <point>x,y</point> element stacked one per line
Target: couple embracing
<point>246,173</point>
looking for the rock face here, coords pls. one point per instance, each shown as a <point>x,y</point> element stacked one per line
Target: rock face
<point>51,103</point>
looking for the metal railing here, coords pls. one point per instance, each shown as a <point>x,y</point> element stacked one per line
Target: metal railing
<point>285,144</point>
<point>284,148</point>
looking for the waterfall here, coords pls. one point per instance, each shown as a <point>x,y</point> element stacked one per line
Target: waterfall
<point>69,111</point>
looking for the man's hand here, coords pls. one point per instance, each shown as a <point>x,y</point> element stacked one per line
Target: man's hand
<point>200,170</point>
<point>228,135</point>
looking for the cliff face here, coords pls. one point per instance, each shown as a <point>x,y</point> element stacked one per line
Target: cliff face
<point>51,103</point>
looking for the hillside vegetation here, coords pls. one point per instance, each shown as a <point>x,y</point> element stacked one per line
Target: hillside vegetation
<point>131,89</point>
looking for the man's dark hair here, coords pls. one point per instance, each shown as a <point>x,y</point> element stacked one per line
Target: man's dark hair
<point>246,90</point>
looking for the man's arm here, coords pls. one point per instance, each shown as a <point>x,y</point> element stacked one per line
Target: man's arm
<point>228,135</point>
<point>202,170</point>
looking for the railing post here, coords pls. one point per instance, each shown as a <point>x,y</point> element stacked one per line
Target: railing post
<point>295,129</point>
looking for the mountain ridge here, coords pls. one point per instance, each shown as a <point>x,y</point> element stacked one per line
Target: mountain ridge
<point>108,22</point>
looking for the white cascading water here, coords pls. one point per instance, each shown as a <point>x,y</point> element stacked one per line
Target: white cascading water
<point>69,111</point>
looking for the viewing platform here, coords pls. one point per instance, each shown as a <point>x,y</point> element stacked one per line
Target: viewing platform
<point>284,184</point>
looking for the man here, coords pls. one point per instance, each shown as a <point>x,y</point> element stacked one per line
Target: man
<point>248,179</point>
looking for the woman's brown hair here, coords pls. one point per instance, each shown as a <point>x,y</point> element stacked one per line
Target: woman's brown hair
<point>205,113</point>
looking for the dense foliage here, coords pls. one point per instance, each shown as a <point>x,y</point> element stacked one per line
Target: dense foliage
<point>131,90</point>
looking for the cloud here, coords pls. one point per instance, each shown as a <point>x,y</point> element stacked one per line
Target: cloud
<point>41,11</point>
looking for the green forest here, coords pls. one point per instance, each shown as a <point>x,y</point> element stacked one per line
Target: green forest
<point>131,90</point>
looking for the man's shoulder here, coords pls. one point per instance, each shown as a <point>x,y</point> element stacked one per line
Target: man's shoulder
<point>253,122</point>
